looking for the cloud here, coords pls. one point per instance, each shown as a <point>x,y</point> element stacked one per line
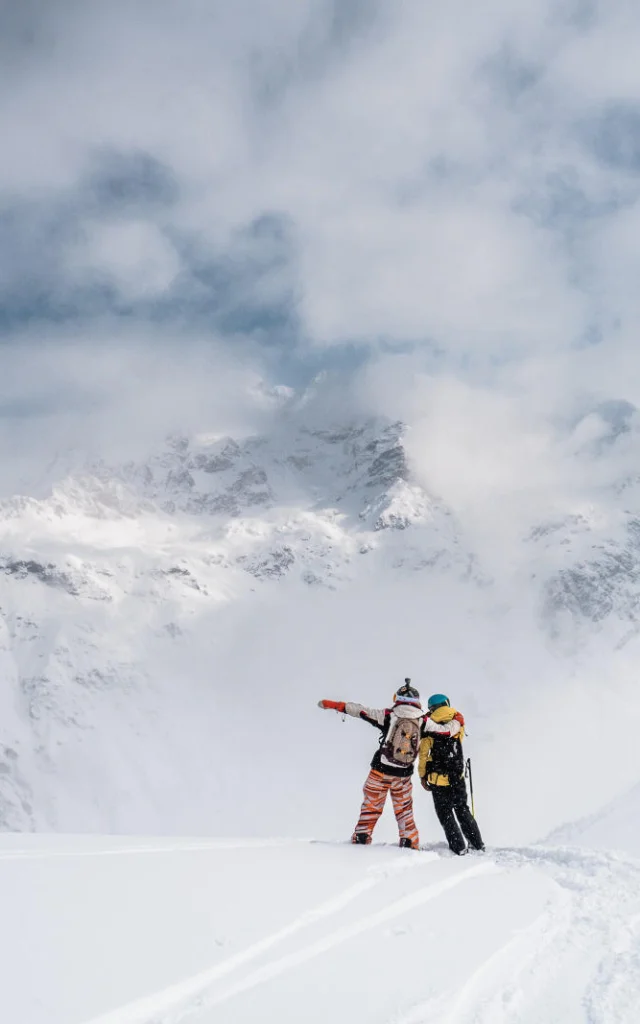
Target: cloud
<point>310,181</point>
<point>516,444</point>
<point>133,256</point>
<point>63,400</point>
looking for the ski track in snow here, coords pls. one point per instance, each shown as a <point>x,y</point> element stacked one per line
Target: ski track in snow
<point>191,994</point>
<point>577,961</point>
<point>601,930</point>
<point>486,996</point>
<point>587,921</point>
<point>343,934</point>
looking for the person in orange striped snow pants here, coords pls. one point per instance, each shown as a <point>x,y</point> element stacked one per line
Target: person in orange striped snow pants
<point>400,728</point>
<point>376,787</point>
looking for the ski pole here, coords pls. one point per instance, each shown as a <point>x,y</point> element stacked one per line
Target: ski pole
<point>468,767</point>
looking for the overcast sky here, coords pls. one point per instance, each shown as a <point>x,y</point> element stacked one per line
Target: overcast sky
<point>441,199</point>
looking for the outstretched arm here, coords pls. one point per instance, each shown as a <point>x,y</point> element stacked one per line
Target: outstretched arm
<point>374,716</point>
<point>451,728</point>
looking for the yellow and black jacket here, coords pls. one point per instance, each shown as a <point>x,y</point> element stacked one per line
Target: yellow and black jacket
<point>440,759</point>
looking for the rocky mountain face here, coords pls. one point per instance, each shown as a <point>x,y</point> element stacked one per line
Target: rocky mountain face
<point>126,590</point>
<point>302,506</point>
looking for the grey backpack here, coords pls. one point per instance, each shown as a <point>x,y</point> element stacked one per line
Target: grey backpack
<point>402,740</point>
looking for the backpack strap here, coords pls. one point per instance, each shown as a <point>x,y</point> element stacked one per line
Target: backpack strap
<point>372,721</point>
<point>384,729</point>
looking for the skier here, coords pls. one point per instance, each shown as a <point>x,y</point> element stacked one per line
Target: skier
<point>441,772</point>
<point>392,765</point>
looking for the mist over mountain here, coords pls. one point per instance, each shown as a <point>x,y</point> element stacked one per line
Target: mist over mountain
<point>161,618</point>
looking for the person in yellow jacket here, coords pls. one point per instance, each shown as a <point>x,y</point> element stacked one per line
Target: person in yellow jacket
<point>441,772</point>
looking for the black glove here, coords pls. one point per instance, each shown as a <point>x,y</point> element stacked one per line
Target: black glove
<point>424,783</point>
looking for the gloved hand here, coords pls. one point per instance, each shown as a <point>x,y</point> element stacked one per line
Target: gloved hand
<point>424,783</point>
<point>459,717</point>
<point>331,705</point>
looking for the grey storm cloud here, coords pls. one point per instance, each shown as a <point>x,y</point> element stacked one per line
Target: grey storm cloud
<point>307,183</point>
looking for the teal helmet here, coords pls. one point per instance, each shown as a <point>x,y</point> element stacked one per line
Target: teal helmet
<point>438,700</point>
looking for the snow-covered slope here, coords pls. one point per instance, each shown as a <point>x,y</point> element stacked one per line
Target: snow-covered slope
<point>614,827</point>
<point>106,931</point>
<point>158,617</point>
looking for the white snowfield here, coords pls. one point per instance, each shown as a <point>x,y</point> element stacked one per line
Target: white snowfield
<point>111,930</point>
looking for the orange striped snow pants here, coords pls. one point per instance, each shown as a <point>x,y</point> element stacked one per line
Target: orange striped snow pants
<point>376,787</point>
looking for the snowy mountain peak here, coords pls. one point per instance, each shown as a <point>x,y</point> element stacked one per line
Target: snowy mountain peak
<point>130,593</point>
